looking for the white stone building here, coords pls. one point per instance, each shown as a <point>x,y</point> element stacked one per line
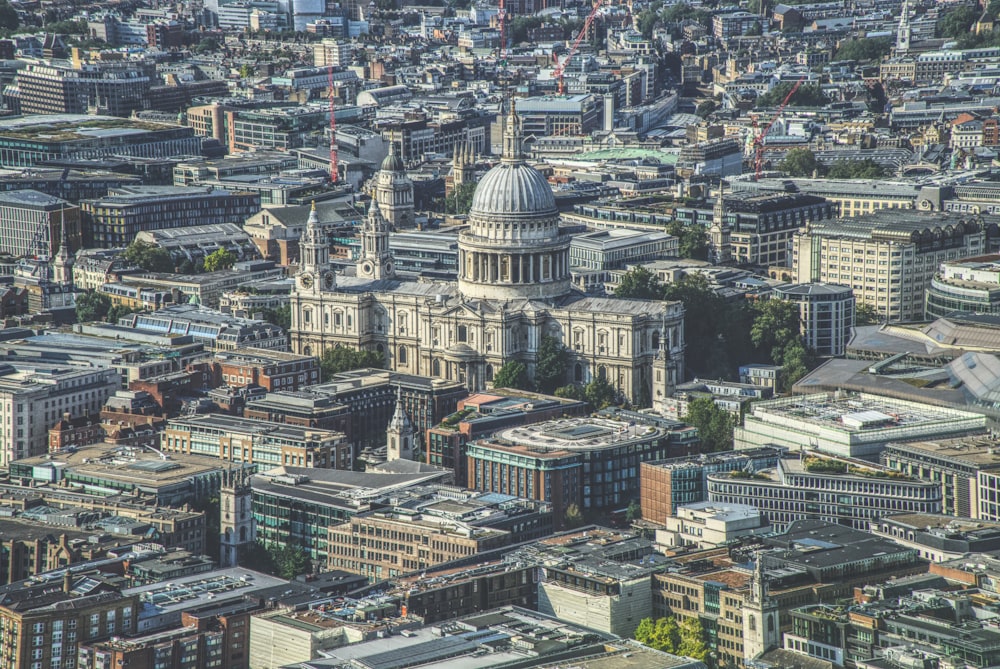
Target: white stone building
<point>513,289</point>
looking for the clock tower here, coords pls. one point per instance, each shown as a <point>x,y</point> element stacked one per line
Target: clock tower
<point>376,260</point>
<point>315,273</point>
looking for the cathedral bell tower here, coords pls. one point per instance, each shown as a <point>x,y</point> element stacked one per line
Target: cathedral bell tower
<point>719,233</point>
<point>315,273</point>
<point>375,262</point>
<point>237,528</point>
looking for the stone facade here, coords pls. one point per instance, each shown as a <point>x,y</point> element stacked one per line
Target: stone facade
<point>513,290</point>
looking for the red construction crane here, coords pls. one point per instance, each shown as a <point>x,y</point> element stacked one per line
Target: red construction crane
<point>333,130</point>
<point>561,66</point>
<point>758,141</point>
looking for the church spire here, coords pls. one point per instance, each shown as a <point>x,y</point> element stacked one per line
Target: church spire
<point>63,264</point>
<point>399,435</point>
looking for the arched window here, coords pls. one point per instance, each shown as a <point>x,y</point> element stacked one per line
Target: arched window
<point>655,341</point>
<point>578,373</point>
<point>753,624</point>
<point>489,373</point>
<point>380,349</point>
<point>770,624</point>
<point>307,315</point>
<point>436,368</point>
<point>463,333</point>
<point>307,350</point>
<point>243,535</point>
<point>602,373</point>
<point>401,356</point>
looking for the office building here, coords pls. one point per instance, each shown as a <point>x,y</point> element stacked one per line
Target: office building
<point>971,285</point>
<point>853,197</point>
<point>665,486</point>
<point>762,226</point>
<point>115,220</point>
<point>939,538</point>
<point>706,525</point>
<point>31,223</point>
<point>835,490</point>
<point>967,469</point>
<point>295,506</point>
<point>427,530</point>
<point>826,313</point>
<point>205,326</point>
<point>483,414</point>
<point>889,259</point>
<point>616,248</point>
<point>271,370</point>
<point>598,579</point>
<point>592,463</point>
<point>34,396</point>
<point>194,243</point>
<point>46,623</point>
<point>256,442</point>
<point>578,114</point>
<point>107,469</point>
<point>112,88</point>
<point>856,425</point>
<point>28,140</point>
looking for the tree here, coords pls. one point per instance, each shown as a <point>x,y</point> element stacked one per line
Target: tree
<point>247,70</point>
<point>806,96</point>
<point>633,512</point>
<point>777,330</point>
<point>513,374</point>
<point>207,45</point>
<point>660,634</point>
<point>573,518</point>
<point>280,316</point>
<point>599,393</point>
<point>715,425</point>
<point>864,314</point>
<point>856,169</point>
<point>342,359</point>
<point>150,258</point>
<point>8,16</point>
<point>218,260</point>
<point>692,639</point>
<point>289,561</point>
<point>693,240</point>
<point>118,311</point>
<point>957,22</point>
<point>799,163</point>
<point>550,367</point>
<point>864,50</point>
<point>755,30</point>
<point>640,284</point>
<point>706,108</point>
<point>460,200</point>
<point>92,306</point>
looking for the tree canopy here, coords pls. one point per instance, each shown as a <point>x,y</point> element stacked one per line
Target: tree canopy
<point>856,169</point>
<point>799,163</point>
<point>685,638</point>
<point>957,21</point>
<point>715,425</point>
<point>863,50</point>
<point>693,240</point>
<point>807,95</point>
<point>342,359</point>
<point>280,316</point>
<point>218,260</point>
<point>599,393</point>
<point>777,330</point>
<point>92,306</point>
<point>459,201</point>
<point>551,364</point>
<point>640,284</point>
<point>513,374</point>
<point>149,257</point>
<point>8,16</point>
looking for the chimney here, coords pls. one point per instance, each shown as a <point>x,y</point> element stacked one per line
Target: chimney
<point>67,581</point>
<point>609,112</point>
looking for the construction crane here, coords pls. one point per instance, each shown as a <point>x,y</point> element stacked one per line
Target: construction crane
<point>758,142</point>
<point>333,130</point>
<point>560,68</point>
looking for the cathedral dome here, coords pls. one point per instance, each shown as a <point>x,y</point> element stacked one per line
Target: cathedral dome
<point>392,163</point>
<point>513,188</point>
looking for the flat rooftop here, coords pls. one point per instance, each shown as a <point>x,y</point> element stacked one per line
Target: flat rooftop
<point>580,434</point>
<point>336,488</point>
<point>139,467</point>
<point>191,591</point>
<point>856,412</point>
<point>979,451</point>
